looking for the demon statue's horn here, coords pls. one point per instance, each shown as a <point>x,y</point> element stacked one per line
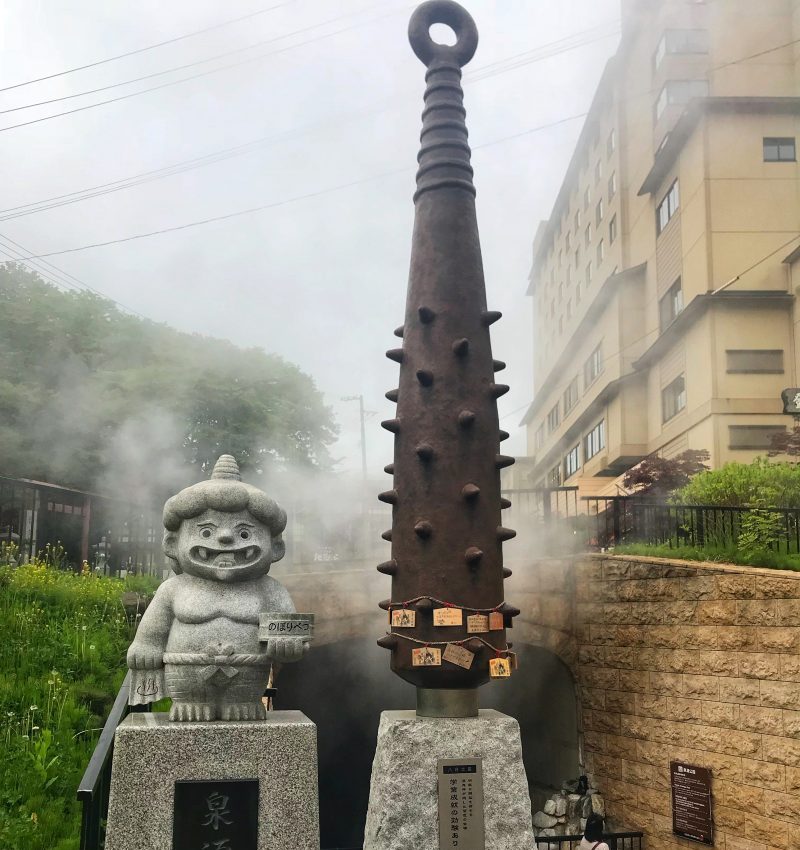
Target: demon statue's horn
<point>226,467</point>
<point>446,530</point>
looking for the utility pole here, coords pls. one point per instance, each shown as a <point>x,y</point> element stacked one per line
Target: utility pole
<point>360,400</point>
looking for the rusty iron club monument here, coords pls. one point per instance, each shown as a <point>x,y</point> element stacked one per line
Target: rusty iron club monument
<point>447,611</point>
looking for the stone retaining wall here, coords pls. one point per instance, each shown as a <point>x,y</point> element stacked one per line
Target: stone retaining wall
<point>691,662</point>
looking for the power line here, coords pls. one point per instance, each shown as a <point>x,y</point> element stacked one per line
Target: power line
<point>150,46</point>
<point>296,198</point>
<point>248,147</point>
<point>54,274</point>
<point>184,67</point>
<point>214,70</point>
<point>620,352</point>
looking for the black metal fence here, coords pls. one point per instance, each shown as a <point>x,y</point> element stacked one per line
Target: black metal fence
<point>553,517</point>
<point>96,782</point>
<point>614,520</point>
<point>615,841</point>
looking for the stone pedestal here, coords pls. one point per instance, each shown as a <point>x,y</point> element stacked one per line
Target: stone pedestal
<point>403,799</point>
<point>151,753</point>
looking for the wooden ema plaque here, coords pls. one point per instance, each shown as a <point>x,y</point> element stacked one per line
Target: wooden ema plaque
<point>215,814</point>
<point>461,804</point>
<point>691,802</point>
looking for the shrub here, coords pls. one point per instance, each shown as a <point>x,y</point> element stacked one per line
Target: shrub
<point>743,485</point>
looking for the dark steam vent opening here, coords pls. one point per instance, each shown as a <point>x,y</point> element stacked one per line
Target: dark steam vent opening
<point>343,687</point>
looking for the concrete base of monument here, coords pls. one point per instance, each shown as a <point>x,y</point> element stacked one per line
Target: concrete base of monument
<point>404,807</point>
<point>244,785</point>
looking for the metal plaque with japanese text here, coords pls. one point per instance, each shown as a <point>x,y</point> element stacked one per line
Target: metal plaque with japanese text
<point>461,804</point>
<point>215,815</point>
<point>791,400</point>
<point>691,802</point>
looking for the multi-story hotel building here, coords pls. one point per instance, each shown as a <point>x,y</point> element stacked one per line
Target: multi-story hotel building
<point>663,283</point>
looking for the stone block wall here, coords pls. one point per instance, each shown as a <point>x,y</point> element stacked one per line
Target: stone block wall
<point>698,663</point>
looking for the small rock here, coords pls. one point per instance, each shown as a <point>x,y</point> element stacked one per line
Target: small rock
<point>547,832</point>
<point>574,827</point>
<point>598,806</point>
<point>586,807</point>
<point>550,807</point>
<point>561,806</point>
<point>544,821</point>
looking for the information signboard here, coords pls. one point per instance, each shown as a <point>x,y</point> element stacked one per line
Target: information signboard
<point>691,802</point>
<point>461,804</point>
<point>791,401</point>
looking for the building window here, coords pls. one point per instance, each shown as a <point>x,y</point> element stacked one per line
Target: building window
<point>755,362</point>
<point>588,273</point>
<point>595,441</point>
<point>752,436</point>
<point>612,230</point>
<point>560,292</point>
<point>554,476</point>
<point>567,243</point>
<point>598,171</point>
<point>572,461</point>
<point>679,92</point>
<point>611,144</point>
<point>599,212</point>
<point>680,41</point>
<point>577,222</point>
<point>577,257</point>
<point>673,398</point>
<point>571,395</point>
<point>553,419</point>
<point>780,150</point>
<point>601,253</point>
<point>668,207</point>
<point>612,185</point>
<point>578,293</point>
<point>593,366</point>
<point>588,235</point>
<point>552,309</point>
<point>587,198</point>
<point>538,440</point>
<point>569,275</point>
<point>670,305</point>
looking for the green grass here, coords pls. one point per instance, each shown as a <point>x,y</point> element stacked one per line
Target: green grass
<point>63,638</point>
<point>726,555</point>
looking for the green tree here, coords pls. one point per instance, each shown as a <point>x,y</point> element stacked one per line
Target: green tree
<point>75,371</point>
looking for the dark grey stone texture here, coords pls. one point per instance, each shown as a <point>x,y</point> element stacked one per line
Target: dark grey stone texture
<point>150,753</point>
<point>403,800</point>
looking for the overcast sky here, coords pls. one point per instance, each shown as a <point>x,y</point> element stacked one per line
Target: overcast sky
<point>334,88</point>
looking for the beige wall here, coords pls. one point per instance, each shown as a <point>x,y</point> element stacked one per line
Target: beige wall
<point>679,661</point>
<point>697,663</point>
<point>736,211</point>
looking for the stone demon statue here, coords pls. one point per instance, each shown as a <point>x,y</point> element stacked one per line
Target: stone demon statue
<point>198,641</point>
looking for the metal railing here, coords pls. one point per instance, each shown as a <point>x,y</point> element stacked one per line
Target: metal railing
<point>95,785</point>
<point>614,520</point>
<point>615,841</point>
<point>554,516</point>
